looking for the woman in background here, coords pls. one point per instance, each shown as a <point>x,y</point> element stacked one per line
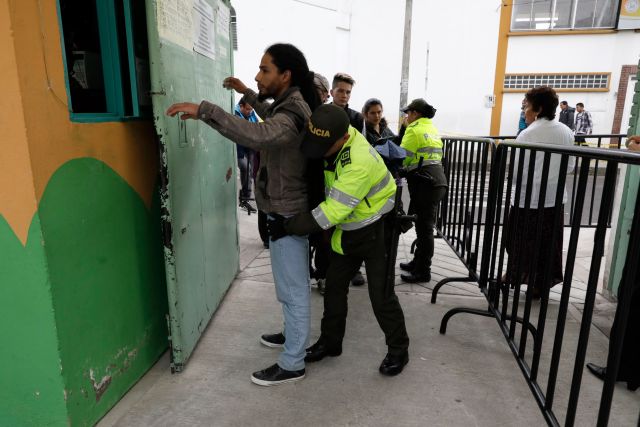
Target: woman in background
<point>522,225</point>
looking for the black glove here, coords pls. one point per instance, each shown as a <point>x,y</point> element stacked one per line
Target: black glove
<point>301,224</point>
<point>275,226</point>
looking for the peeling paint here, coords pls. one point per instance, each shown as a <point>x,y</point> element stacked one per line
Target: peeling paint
<point>100,387</point>
<point>229,174</point>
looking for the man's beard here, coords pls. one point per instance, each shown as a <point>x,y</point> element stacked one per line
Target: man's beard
<point>263,97</point>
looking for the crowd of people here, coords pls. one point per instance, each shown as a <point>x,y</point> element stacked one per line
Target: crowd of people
<point>326,178</point>
<point>320,179</point>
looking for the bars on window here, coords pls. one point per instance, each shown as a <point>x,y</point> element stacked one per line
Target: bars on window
<point>562,81</point>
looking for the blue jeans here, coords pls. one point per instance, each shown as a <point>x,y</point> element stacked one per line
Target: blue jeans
<point>290,268</point>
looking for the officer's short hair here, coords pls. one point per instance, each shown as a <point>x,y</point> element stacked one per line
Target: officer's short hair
<point>342,77</point>
<point>580,104</point>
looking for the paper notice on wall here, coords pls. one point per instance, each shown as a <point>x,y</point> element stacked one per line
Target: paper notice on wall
<point>175,21</point>
<point>204,38</point>
<point>222,21</point>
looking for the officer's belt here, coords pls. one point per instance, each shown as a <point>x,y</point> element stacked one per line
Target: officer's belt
<point>424,162</point>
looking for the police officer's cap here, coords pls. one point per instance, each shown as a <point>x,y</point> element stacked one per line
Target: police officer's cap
<point>421,106</point>
<point>327,124</point>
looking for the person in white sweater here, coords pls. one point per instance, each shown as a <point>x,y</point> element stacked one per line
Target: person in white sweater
<point>522,226</point>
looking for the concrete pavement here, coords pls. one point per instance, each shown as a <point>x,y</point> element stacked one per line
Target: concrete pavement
<point>466,377</point>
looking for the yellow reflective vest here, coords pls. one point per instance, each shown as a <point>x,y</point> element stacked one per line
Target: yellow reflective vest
<point>421,140</point>
<point>358,189</point>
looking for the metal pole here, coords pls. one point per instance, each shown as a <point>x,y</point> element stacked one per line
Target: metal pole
<point>406,53</point>
<point>426,73</point>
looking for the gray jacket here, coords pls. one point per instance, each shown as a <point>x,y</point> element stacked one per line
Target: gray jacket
<point>566,117</point>
<point>280,183</point>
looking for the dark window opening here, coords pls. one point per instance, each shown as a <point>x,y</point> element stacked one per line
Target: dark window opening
<point>107,58</point>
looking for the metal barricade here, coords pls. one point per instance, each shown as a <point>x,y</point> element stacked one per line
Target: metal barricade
<point>512,198</point>
<point>462,212</point>
<point>596,176</point>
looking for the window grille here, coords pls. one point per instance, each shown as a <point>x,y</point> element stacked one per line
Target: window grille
<point>562,82</point>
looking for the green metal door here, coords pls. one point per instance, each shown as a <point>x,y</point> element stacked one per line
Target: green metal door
<point>197,164</point>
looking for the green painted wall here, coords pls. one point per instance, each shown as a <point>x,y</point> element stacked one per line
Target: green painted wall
<point>31,383</point>
<point>85,316</point>
<point>628,203</point>
<point>109,294</point>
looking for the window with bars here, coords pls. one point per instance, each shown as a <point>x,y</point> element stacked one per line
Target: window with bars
<point>561,82</point>
<point>558,15</point>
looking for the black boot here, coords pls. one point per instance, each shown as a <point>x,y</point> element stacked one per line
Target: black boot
<point>394,364</point>
<point>600,372</point>
<point>407,266</point>
<point>320,350</point>
<point>417,277</point>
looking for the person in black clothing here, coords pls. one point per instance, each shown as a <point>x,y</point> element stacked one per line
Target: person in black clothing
<point>629,370</point>
<point>375,124</point>
<point>566,115</point>
<point>341,93</point>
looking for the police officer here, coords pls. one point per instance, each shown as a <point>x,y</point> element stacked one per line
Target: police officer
<point>427,183</point>
<point>359,192</point>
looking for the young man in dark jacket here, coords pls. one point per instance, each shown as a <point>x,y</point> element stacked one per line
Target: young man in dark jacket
<point>281,187</point>
<point>566,115</point>
<point>341,88</point>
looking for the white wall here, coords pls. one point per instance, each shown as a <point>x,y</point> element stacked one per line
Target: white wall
<point>462,41</point>
<point>572,53</point>
<point>364,39</point>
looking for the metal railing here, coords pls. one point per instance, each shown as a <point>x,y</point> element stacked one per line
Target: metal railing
<point>461,216</point>
<point>501,279</point>
<point>596,175</point>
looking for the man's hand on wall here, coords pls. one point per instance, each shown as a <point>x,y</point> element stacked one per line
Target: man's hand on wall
<point>633,143</point>
<point>235,84</point>
<point>188,110</point>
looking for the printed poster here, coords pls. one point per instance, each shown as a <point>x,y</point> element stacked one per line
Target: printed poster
<point>175,21</point>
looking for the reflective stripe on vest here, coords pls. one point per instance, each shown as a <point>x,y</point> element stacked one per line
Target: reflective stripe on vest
<point>321,218</point>
<point>349,226</point>
<point>379,186</point>
<point>430,150</point>
<point>342,197</point>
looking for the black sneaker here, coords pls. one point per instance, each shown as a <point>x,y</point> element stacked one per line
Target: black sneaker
<point>273,340</point>
<point>275,375</point>
<point>247,207</point>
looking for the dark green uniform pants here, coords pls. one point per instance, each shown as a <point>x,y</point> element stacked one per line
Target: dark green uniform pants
<point>365,244</point>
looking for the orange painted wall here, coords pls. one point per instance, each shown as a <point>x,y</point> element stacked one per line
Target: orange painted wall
<point>17,194</point>
<point>39,103</point>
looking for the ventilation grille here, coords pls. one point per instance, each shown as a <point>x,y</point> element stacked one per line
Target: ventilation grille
<point>580,82</point>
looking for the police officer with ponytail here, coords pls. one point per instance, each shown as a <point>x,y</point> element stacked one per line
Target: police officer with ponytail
<point>359,192</point>
<point>427,183</point>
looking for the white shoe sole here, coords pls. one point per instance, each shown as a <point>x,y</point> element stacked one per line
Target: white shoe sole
<point>270,344</point>
<point>271,383</point>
